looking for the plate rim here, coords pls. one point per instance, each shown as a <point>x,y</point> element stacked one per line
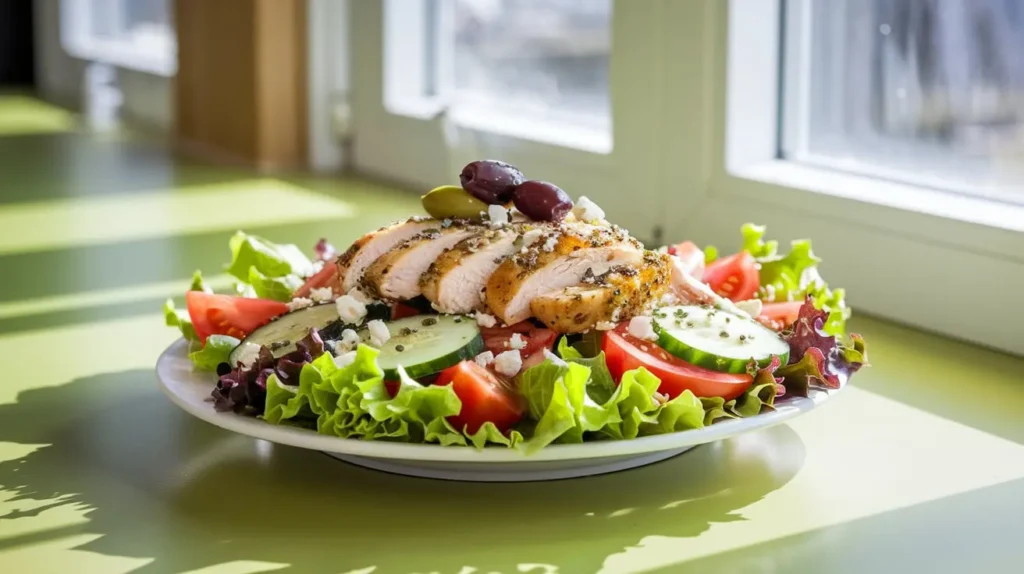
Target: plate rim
<point>304,438</point>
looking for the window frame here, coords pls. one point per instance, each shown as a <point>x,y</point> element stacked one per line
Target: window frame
<point>941,262</point>
<point>78,42</point>
<point>696,94</point>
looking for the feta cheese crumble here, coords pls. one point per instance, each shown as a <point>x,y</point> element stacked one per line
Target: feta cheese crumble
<point>642,328</point>
<point>350,309</point>
<point>550,244</point>
<point>299,303</point>
<point>498,216</point>
<point>485,320</point>
<point>321,295</point>
<point>358,295</point>
<point>751,307</point>
<point>349,340</point>
<point>604,326</point>
<point>379,333</point>
<point>532,236</point>
<point>508,363</point>
<point>484,359</point>
<point>517,342</point>
<point>587,211</point>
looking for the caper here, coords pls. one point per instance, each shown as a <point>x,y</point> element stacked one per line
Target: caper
<point>452,201</point>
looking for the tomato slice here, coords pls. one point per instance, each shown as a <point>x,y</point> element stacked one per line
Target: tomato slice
<point>496,339</point>
<point>214,314</point>
<point>326,277</point>
<point>780,315</point>
<point>691,256</point>
<point>485,397</point>
<point>624,352</point>
<point>734,277</point>
<point>401,311</point>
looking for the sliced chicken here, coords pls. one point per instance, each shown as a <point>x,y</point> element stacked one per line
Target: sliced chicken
<point>396,274</point>
<point>353,262</point>
<point>619,295</point>
<point>560,259</point>
<point>455,281</point>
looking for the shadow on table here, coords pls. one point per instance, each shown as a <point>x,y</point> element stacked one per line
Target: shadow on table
<point>159,484</point>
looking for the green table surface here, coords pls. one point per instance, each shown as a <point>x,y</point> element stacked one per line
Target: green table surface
<point>917,467</point>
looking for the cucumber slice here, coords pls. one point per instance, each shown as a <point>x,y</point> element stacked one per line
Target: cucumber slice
<point>281,334</point>
<point>427,344</point>
<point>716,339</point>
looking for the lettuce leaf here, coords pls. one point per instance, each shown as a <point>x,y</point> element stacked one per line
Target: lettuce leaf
<point>180,320</point>
<point>276,288</point>
<point>214,352</point>
<point>794,276</point>
<point>269,259</point>
<point>817,358</point>
<point>198,284</point>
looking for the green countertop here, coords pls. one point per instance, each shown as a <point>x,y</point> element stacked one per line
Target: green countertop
<point>917,467</point>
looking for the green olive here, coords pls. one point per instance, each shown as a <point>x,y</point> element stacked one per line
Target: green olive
<point>452,201</point>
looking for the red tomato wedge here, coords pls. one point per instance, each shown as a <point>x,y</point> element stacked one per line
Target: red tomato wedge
<point>401,311</point>
<point>624,352</point>
<point>691,256</point>
<point>496,339</point>
<point>214,314</point>
<point>485,397</point>
<point>780,315</point>
<point>734,277</point>
<point>326,277</point>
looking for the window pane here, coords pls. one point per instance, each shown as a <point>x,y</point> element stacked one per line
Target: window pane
<point>916,89</point>
<point>544,58</point>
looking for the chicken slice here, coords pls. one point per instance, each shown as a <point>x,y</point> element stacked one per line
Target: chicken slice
<point>560,259</point>
<point>353,262</point>
<point>455,281</point>
<point>396,274</point>
<point>690,290</point>
<point>619,295</point>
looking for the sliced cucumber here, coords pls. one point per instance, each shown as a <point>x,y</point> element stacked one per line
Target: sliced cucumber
<point>717,339</point>
<point>427,344</point>
<point>281,334</point>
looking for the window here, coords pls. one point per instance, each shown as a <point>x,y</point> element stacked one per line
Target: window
<point>888,131</point>
<point>930,92</point>
<point>135,34</point>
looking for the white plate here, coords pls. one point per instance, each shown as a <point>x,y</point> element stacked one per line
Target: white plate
<point>190,389</point>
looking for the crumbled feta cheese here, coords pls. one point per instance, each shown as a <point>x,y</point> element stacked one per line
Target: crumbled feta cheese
<point>751,307</point>
<point>321,295</point>
<point>350,309</point>
<point>532,236</point>
<point>616,313</point>
<point>508,363</point>
<point>485,320</point>
<point>484,359</point>
<point>641,328</point>
<point>248,354</point>
<point>349,340</point>
<point>516,341</point>
<point>498,215</point>
<point>318,266</point>
<point>554,358</point>
<point>345,359</point>
<point>604,326</point>
<point>551,242</point>
<point>586,210</point>
<point>299,303</point>
<point>379,333</point>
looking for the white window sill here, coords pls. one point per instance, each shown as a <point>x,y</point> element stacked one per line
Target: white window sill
<point>125,55</point>
<point>517,124</point>
<point>905,197</point>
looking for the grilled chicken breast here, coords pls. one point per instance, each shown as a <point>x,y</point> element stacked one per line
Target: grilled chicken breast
<point>396,274</point>
<point>618,295</point>
<point>368,248</point>
<point>455,281</point>
<point>560,259</point>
